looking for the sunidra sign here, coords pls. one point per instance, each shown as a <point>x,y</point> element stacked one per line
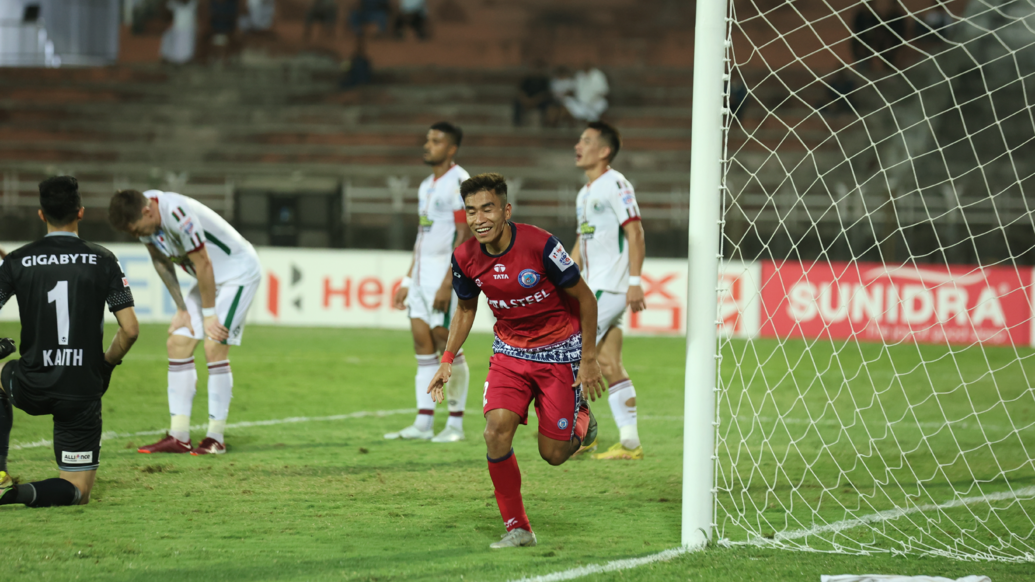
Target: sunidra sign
<point>957,304</point>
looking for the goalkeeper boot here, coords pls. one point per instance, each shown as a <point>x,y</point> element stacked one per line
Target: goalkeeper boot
<point>167,445</point>
<point>209,446</point>
<point>515,538</point>
<point>6,347</point>
<point>450,434</point>
<point>411,433</point>
<point>589,441</point>
<point>618,452</point>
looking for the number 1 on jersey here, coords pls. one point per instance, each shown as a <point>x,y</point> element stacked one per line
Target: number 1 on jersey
<point>59,295</point>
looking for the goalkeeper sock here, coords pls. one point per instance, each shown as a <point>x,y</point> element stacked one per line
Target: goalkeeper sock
<point>506,482</point>
<point>456,392</point>
<point>48,493</point>
<point>183,382</point>
<point>622,399</point>
<point>220,392</point>
<point>426,368</point>
<point>6,421</point>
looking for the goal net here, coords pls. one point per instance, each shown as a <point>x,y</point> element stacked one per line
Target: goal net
<point>875,362</point>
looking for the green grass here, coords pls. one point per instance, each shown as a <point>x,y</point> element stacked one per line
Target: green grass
<point>331,500</point>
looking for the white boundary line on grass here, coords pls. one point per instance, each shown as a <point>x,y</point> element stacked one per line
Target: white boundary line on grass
<point>108,435</point>
<point>614,566</point>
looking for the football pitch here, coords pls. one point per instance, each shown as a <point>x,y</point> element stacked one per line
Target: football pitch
<point>309,489</point>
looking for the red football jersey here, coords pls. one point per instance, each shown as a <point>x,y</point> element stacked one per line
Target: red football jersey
<point>535,318</point>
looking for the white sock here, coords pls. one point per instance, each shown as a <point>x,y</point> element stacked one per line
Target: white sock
<point>220,391</point>
<point>426,368</point>
<point>456,392</point>
<point>622,399</point>
<point>183,383</point>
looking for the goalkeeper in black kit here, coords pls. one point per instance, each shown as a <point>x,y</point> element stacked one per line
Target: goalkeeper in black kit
<point>62,284</point>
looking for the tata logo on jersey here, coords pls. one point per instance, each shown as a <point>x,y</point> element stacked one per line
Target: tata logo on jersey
<point>499,272</point>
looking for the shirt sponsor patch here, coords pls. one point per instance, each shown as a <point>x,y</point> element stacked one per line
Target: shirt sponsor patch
<point>84,458</point>
<point>187,226</point>
<point>560,257</point>
<point>125,282</point>
<point>628,198</point>
<point>528,278</point>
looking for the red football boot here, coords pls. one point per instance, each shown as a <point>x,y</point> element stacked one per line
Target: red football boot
<point>167,445</point>
<point>209,446</point>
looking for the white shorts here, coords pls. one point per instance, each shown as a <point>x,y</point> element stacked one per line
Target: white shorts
<point>232,303</point>
<point>420,301</point>
<point>610,309</point>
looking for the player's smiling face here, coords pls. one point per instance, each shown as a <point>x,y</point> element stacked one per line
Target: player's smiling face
<point>437,148</point>
<point>590,150</point>
<point>487,216</point>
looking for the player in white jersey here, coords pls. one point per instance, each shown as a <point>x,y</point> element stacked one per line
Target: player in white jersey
<point>179,230</point>
<point>610,251</point>
<point>428,285</point>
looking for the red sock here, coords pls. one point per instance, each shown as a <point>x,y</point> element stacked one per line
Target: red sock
<point>506,479</point>
<point>582,424</point>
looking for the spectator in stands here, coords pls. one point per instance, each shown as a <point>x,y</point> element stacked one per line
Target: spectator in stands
<point>933,24</point>
<point>534,93</point>
<point>562,86</point>
<point>589,100</point>
<point>324,12</point>
<point>879,28</point>
<point>223,19</point>
<point>259,17</point>
<point>370,11</point>
<point>178,42</point>
<point>414,14</point>
<point>359,71</point>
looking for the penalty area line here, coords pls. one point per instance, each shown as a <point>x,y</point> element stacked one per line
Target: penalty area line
<point>109,435</point>
<point>614,566</point>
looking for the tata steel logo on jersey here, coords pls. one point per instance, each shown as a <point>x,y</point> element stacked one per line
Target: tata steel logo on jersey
<point>522,302</point>
<point>499,272</point>
<point>528,278</point>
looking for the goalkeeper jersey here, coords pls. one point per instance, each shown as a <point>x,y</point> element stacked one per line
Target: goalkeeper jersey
<point>187,225</point>
<point>603,207</point>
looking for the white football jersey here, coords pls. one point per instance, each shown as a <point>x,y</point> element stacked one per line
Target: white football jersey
<point>187,225</point>
<point>440,207</point>
<point>604,206</point>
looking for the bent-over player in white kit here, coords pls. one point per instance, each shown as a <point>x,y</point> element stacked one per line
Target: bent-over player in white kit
<point>428,285</point>
<point>610,251</point>
<point>181,231</point>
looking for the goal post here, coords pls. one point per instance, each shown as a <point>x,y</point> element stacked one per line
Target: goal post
<point>703,268</point>
<point>860,373</point>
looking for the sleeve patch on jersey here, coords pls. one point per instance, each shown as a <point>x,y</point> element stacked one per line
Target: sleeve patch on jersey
<point>560,257</point>
<point>628,198</point>
<point>187,226</point>
<point>125,282</point>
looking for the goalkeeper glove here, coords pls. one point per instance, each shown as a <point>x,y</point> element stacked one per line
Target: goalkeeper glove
<point>106,370</point>
<point>6,347</point>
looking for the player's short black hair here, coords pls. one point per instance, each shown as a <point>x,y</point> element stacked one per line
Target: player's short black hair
<point>125,208</point>
<point>610,136</point>
<point>60,200</point>
<point>491,182</point>
<point>456,135</point>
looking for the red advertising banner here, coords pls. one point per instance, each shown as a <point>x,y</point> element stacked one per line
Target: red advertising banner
<point>960,304</point>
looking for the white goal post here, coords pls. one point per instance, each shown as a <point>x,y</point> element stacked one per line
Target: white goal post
<point>860,369</point>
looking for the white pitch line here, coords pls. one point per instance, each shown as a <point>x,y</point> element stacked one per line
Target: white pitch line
<point>108,435</point>
<point>885,515</point>
<point>610,566</point>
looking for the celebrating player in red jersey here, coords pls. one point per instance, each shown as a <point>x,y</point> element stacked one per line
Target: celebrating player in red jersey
<point>545,346</point>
